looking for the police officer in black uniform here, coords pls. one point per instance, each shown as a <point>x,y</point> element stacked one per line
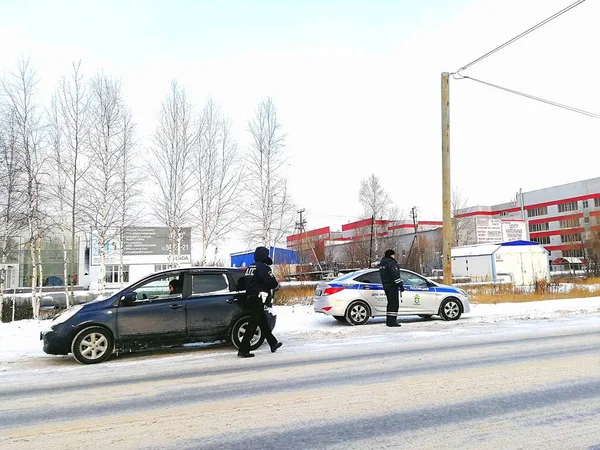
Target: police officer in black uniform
<point>392,282</point>
<point>260,284</point>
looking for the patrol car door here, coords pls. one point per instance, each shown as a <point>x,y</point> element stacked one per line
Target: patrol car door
<point>419,296</point>
<point>372,291</point>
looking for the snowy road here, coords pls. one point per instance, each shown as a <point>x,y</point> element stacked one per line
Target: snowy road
<point>470,385</point>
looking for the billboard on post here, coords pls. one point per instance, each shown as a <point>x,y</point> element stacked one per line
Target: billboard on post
<point>495,231</point>
<point>142,245</point>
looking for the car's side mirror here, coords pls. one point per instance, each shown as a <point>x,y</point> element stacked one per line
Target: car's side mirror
<point>128,299</point>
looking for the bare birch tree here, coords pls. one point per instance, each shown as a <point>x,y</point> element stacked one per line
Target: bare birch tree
<point>101,196</point>
<point>269,211</point>
<point>11,198</point>
<point>171,169</point>
<point>19,91</point>
<point>72,105</point>
<point>58,187</point>
<point>130,191</point>
<point>375,200</point>
<point>377,205</point>
<point>217,176</point>
<point>463,228</point>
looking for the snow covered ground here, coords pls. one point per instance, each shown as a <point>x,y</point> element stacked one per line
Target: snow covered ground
<point>20,340</point>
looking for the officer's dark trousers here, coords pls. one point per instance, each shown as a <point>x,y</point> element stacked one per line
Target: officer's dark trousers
<point>393,302</point>
<point>257,318</point>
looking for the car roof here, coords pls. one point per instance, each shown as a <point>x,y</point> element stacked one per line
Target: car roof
<point>373,269</point>
<point>202,269</point>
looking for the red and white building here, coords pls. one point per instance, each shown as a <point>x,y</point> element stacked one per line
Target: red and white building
<point>557,217</point>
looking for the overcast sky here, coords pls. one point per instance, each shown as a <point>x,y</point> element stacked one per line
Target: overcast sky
<point>356,83</point>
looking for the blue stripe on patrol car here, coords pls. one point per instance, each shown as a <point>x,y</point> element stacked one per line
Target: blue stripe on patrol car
<point>379,287</point>
<point>345,286</point>
<point>447,289</point>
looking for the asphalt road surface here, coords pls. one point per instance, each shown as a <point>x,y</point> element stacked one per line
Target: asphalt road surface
<point>535,389</point>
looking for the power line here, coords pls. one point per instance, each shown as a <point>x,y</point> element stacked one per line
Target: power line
<point>533,97</point>
<point>535,27</point>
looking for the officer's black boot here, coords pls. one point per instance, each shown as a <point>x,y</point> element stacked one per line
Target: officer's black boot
<point>275,346</point>
<point>391,321</point>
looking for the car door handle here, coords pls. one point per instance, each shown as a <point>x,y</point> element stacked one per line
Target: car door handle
<point>175,306</point>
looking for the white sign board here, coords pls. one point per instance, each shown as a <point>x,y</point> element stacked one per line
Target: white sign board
<point>488,231</point>
<point>514,230</point>
<point>142,245</point>
<point>495,231</point>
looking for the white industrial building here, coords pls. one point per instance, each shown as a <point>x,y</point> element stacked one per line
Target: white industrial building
<point>517,262</point>
<point>558,217</point>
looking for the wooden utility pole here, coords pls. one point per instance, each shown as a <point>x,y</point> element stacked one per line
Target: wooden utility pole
<point>446,192</point>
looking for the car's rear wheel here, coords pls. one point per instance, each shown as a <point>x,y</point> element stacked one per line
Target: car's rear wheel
<point>358,313</point>
<point>239,329</point>
<point>450,309</point>
<point>425,316</point>
<point>92,345</point>
<point>340,318</point>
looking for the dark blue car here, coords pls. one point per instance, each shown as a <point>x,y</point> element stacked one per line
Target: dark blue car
<point>166,309</point>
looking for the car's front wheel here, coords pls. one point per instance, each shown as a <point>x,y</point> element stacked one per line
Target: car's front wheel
<point>92,345</point>
<point>450,309</point>
<point>239,329</point>
<point>358,313</point>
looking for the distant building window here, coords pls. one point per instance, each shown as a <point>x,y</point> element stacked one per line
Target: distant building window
<point>112,274</point>
<point>586,220</point>
<point>503,213</point>
<point>573,237</point>
<point>569,223</point>
<point>543,211</point>
<point>584,203</point>
<point>534,227</point>
<point>568,206</point>
<point>597,202</point>
<point>159,267</point>
<point>574,253</point>
<point>543,240</point>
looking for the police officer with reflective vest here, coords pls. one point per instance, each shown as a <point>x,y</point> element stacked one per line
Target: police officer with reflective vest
<point>260,284</point>
<point>392,283</point>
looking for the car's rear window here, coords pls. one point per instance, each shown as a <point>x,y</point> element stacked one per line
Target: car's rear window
<point>370,277</point>
<point>345,277</point>
<point>239,280</point>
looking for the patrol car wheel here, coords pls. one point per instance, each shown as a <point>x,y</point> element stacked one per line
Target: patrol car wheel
<point>239,329</point>
<point>450,309</point>
<point>92,345</point>
<point>425,316</point>
<point>358,313</point>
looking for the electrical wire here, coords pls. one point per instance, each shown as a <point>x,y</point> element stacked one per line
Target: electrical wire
<point>533,97</point>
<point>535,27</point>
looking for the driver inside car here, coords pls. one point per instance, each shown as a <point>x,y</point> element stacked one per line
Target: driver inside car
<point>174,287</point>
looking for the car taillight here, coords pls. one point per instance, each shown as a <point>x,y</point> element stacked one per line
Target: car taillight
<point>332,290</point>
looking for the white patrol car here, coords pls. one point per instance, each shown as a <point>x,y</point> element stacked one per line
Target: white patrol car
<point>357,296</point>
